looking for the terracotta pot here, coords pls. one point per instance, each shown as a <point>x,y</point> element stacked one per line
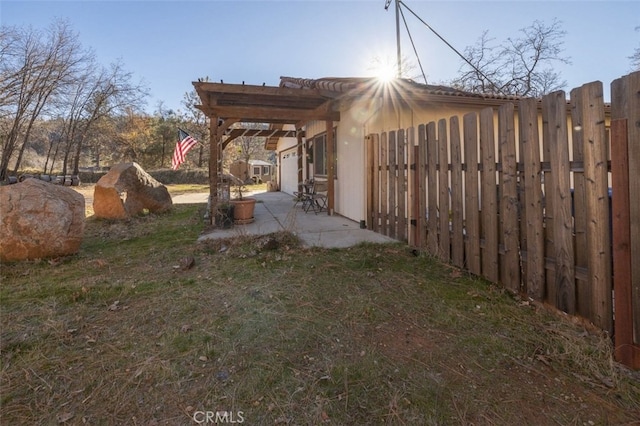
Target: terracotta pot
<point>243,210</point>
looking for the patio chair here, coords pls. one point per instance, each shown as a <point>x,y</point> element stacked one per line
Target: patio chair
<point>318,197</point>
<point>303,196</point>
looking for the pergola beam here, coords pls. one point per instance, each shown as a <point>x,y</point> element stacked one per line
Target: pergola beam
<point>258,133</point>
<point>272,114</point>
<point>252,89</point>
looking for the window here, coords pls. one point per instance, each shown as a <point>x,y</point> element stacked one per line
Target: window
<point>256,170</point>
<point>320,155</point>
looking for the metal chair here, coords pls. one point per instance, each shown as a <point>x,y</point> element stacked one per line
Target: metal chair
<point>318,197</point>
<point>303,196</point>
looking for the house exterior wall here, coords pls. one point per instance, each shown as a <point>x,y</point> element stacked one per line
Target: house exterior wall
<point>350,185</point>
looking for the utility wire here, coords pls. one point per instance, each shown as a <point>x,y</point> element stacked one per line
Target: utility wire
<point>414,46</point>
<point>450,46</point>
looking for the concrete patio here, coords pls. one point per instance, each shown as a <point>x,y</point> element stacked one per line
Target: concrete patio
<point>276,211</point>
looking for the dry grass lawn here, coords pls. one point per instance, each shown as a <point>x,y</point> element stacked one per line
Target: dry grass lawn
<point>147,327</point>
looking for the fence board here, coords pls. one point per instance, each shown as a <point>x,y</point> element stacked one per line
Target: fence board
<point>384,181</point>
<point>626,104</point>
<point>555,114</point>
<point>432,188</point>
<point>583,290</point>
<point>522,202</point>
<point>510,265</point>
<point>376,183</point>
<point>370,176</point>
<point>596,180</point>
<point>402,185</point>
<point>528,117</point>
<point>444,246</point>
<point>422,189</point>
<point>412,187</point>
<point>488,198</point>
<point>547,209</point>
<point>472,218</point>
<point>623,333</point>
<point>393,186</point>
<point>457,218</point>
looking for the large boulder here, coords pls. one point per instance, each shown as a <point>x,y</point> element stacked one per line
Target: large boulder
<point>126,190</point>
<point>39,220</point>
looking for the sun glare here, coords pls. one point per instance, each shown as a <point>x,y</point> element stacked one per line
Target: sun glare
<point>383,68</point>
<point>386,74</point>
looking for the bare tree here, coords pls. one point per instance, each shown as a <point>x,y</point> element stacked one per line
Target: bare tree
<point>483,69</point>
<point>251,147</point>
<point>110,91</point>
<point>246,148</point>
<point>9,81</point>
<point>635,58</point>
<point>35,68</point>
<point>48,73</point>
<point>520,66</point>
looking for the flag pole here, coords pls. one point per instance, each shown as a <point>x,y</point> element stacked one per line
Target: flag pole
<point>398,38</point>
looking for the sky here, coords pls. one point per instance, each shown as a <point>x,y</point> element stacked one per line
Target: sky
<point>168,44</point>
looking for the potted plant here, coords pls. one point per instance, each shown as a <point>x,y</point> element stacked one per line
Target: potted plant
<point>243,207</point>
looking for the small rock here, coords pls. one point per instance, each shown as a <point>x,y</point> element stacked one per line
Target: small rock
<point>187,263</point>
<point>64,417</point>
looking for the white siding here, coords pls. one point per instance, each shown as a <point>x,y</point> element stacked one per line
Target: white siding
<point>350,185</point>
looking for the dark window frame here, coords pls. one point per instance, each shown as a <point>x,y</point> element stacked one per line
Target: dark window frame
<point>320,155</point>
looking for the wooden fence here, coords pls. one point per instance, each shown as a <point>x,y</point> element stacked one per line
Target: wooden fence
<point>509,196</point>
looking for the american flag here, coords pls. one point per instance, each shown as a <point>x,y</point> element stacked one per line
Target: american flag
<point>185,143</point>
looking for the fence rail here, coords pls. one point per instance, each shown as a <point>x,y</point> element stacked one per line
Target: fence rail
<point>528,197</point>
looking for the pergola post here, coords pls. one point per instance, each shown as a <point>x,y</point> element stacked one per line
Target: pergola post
<point>215,142</point>
<point>330,168</point>
<point>300,160</point>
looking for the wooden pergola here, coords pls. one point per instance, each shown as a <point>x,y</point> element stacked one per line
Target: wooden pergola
<point>227,104</point>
